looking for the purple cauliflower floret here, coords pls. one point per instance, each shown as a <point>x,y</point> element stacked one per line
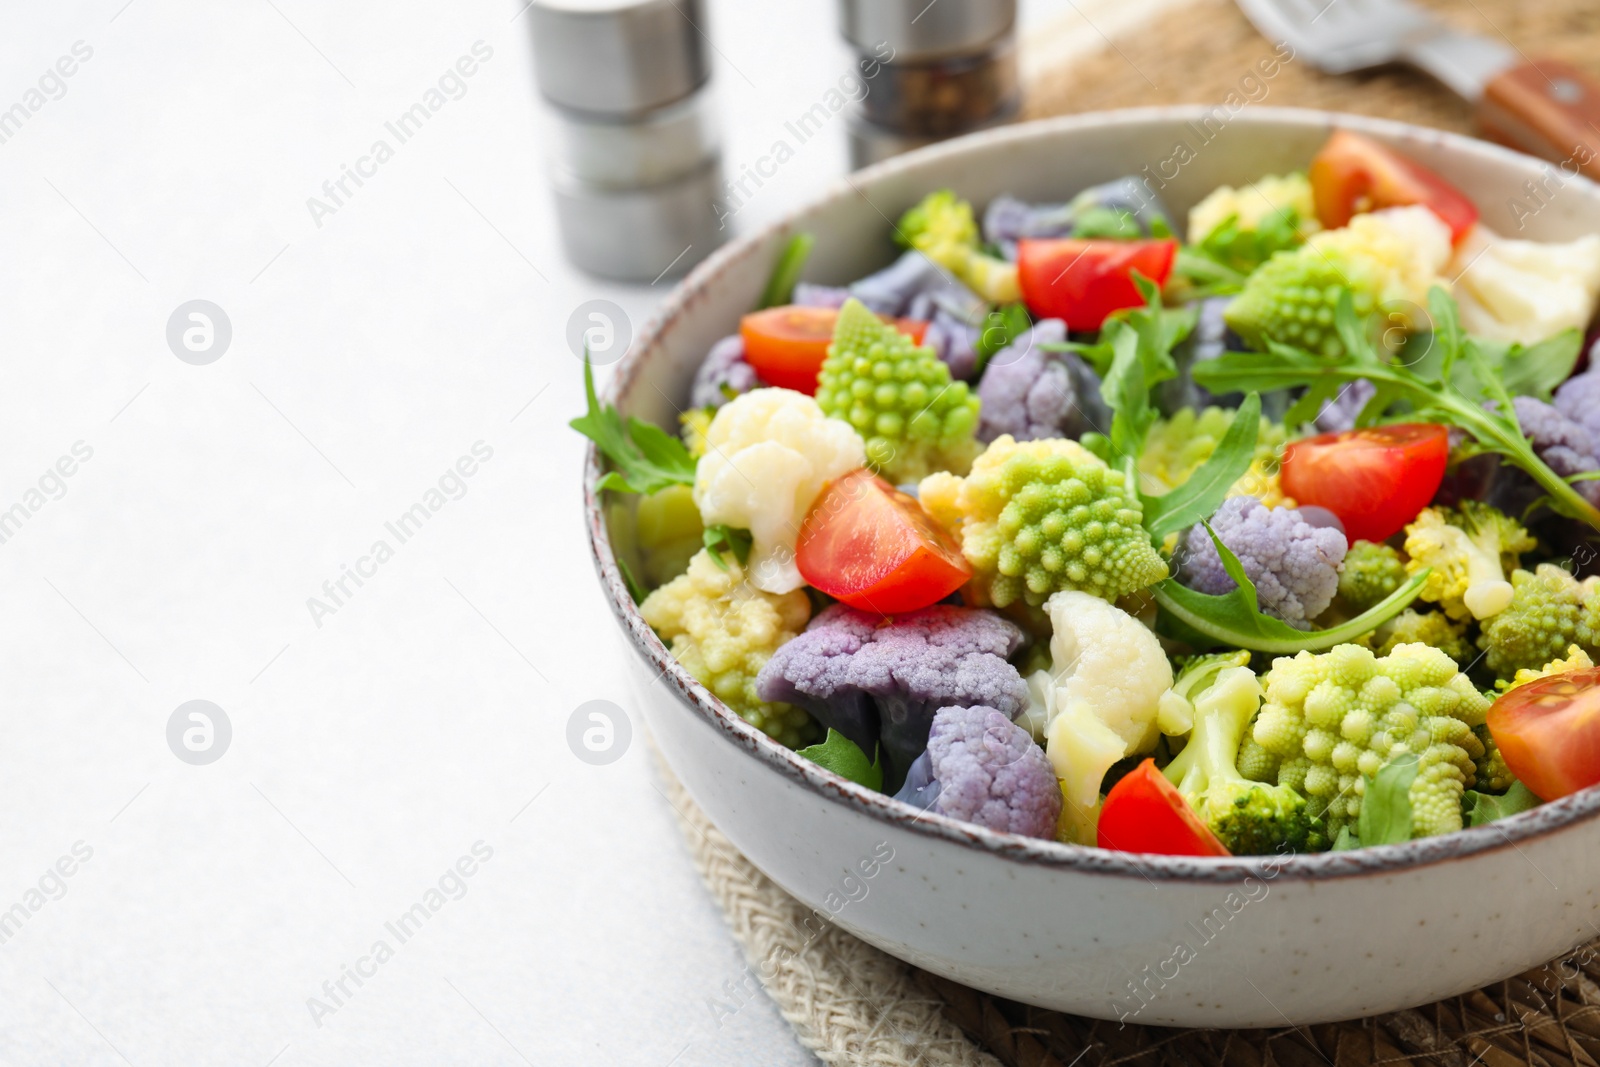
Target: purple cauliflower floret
<point>809,295</point>
<point>1031,394</point>
<point>1007,220</point>
<point>892,290</point>
<point>956,342</point>
<point>879,680</point>
<point>1578,398</point>
<point>1294,565</point>
<point>723,375</point>
<point>1339,414</point>
<point>1565,444</point>
<point>1209,339</point>
<point>983,768</point>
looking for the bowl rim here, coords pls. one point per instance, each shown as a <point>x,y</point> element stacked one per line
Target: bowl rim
<point>1507,833</point>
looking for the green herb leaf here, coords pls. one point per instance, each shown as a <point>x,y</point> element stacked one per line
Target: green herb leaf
<point>646,457</point>
<point>1106,222</point>
<point>844,757</point>
<point>1243,250</point>
<point>1199,497</point>
<point>1235,618</point>
<point>1484,808</point>
<point>635,590</point>
<point>1000,327</point>
<point>1386,806</point>
<point>1346,840</point>
<point>786,272</point>
<point>723,538</point>
<point>1141,341</point>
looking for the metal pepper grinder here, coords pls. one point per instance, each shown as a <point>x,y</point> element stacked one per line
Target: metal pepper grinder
<point>637,167</point>
<point>932,71</point>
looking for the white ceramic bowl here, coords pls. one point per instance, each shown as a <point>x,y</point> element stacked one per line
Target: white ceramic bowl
<point>1153,939</point>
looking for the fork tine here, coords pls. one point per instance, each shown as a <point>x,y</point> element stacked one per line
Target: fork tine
<point>1273,22</point>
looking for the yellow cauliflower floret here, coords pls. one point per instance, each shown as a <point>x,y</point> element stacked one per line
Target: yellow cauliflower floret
<point>1577,660</point>
<point>768,454</point>
<point>723,631</point>
<point>1250,204</point>
<point>693,424</point>
<point>1470,550</point>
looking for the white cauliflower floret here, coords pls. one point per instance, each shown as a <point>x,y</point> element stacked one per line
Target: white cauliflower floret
<point>1108,676</point>
<point>768,454</point>
<point>1249,204</point>
<point>1522,290</point>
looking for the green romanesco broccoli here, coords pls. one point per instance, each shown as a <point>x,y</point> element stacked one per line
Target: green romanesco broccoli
<point>1493,774</point>
<point>1470,548</point>
<point>899,397</point>
<point>1039,517</point>
<point>1370,573</point>
<point>942,228</point>
<point>1383,258</point>
<point>1252,818</point>
<point>1177,446</point>
<point>1412,627</point>
<point>1550,611</point>
<point>723,630</point>
<point>1336,717</point>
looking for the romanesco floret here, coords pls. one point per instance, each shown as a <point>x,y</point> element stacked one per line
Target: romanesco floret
<point>1382,257</point>
<point>942,228</point>
<point>1550,611</point>
<point>1470,548</point>
<point>899,396</point>
<point>1370,573</point>
<point>1039,517</point>
<point>723,631</point>
<point>768,455</point>
<point>1252,818</point>
<point>1412,627</point>
<point>1177,446</point>
<point>1248,205</point>
<point>1493,776</point>
<point>1336,717</point>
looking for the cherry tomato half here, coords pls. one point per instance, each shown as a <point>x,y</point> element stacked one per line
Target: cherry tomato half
<point>1549,732</point>
<point>1375,480</point>
<point>1145,813</point>
<point>1081,281</point>
<point>786,345</point>
<point>873,547</point>
<point>1353,173</point>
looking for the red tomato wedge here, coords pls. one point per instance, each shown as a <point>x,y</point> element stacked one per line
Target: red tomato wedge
<point>1081,281</point>
<point>1352,173</point>
<point>786,345</point>
<point>874,548</point>
<point>1145,813</point>
<point>1375,480</point>
<point>1549,732</point>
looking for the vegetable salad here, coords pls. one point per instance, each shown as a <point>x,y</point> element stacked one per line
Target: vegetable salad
<point>1271,539</point>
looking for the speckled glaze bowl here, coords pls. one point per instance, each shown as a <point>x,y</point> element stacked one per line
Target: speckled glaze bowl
<point>1234,942</point>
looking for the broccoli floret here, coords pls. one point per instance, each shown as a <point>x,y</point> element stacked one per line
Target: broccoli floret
<point>1038,517</point>
<point>1550,611</point>
<point>1412,627</point>
<point>1252,818</point>
<point>723,630</point>
<point>1176,447</point>
<point>1335,718</point>
<point>1175,716</point>
<point>942,228</point>
<point>1470,548</point>
<point>1381,257</point>
<point>1371,572</point>
<point>982,767</point>
<point>899,396</point>
<point>879,680</point>
<point>1294,565</point>
<point>1031,394</point>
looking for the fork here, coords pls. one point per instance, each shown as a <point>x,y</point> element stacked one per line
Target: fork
<point>1545,107</point>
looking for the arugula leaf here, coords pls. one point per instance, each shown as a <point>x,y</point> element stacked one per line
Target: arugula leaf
<point>1000,327</point>
<point>1235,618</point>
<point>1525,370</point>
<point>844,757</point>
<point>1242,250</point>
<point>724,538</point>
<point>1433,395</point>
<point>646,457</point>
<point>1484,808</point>
<point>1106,222</point>
<point>1386,806</point>
<point>1205,275</point>
<point>786,272</point>
<point>1198,498</point>
<point>1346,840</point>
<point>1141,340</point>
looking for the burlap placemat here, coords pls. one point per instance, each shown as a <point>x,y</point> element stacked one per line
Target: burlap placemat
<point>852,1004</point>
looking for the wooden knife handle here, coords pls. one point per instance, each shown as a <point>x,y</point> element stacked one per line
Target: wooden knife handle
<point>1549,109</point>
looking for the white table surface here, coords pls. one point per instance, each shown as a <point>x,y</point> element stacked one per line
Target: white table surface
<point>372,751</point>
